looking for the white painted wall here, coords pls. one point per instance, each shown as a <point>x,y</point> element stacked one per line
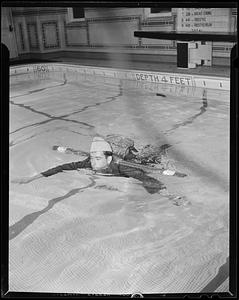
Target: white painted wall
<point>8,37</point>
<point>108,30</point>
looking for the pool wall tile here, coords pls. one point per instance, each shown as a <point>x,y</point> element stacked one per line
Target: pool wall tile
<point>182,80</point>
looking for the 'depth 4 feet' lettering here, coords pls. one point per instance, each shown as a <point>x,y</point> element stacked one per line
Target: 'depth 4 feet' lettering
<point>178,80</point>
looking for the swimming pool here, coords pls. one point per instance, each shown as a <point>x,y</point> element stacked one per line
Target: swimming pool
<point>77,232</point>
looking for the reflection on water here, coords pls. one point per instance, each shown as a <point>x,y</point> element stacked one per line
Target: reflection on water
<point>27,220</point>
<point>192,118</point>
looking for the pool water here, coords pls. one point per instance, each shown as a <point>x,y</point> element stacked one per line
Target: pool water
<point>78,232</point>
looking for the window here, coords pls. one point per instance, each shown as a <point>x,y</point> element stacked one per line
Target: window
<point>76,14</point>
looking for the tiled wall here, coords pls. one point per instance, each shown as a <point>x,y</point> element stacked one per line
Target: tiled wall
<point>44,30</point>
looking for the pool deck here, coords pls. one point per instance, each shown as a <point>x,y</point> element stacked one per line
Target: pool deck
<point>213,71</point>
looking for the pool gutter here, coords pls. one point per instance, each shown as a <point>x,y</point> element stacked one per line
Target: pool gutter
<point>178,79</point>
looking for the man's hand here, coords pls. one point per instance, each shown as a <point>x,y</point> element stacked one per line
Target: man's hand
<point>179,200</point>
<point>178,174</point>
<point>22,180</point>
<point>25,180</point>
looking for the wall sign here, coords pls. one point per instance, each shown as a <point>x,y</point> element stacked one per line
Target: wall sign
<point>203,19</point>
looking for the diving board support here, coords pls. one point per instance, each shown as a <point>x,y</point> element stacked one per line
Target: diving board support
<point>193,54</point>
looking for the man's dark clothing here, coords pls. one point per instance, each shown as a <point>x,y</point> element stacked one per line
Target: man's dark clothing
<point>151,184</point>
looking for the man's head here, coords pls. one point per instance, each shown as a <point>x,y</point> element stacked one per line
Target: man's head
<point>100,154</point>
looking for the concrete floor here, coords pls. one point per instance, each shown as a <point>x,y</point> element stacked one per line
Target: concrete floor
<point>77,232</point>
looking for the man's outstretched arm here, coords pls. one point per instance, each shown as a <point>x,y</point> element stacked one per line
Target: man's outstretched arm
<point>68,167</point>
<point>65,167</point>
<point>153,186</point>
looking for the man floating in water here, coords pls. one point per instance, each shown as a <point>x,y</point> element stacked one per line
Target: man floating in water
<point>149,158</point>
<point>102,161</point>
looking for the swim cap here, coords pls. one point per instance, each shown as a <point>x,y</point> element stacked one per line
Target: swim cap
<point>99,144</point>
